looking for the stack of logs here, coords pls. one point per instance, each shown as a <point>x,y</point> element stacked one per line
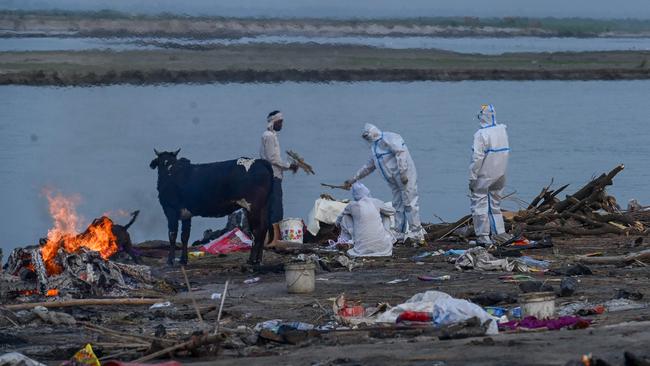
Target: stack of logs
<point>589,211</point>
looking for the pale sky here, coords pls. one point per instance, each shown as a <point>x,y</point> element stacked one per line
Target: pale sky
<point>356,8</point>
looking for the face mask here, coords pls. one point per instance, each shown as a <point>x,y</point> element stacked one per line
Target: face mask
<point>277,128</point>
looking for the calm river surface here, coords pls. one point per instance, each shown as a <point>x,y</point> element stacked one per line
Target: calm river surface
<point>98,142</point>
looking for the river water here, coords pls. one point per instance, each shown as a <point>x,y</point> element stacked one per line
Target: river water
<point>98,142</point>
<point>480,45</point>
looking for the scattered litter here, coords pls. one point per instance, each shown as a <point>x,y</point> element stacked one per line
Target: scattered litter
<point>346,262</point>
<point>233,241</point>
<point>17,359</point>
<point>397,280</point>
<point>430,278</point>
<point>568,286</point>
<point>531,262</point>
<point>83,357</point>
<point>322,279</point>
<point>479,258</point>
<point>252,280</point>
<point>535,286</point>
<point>623,305</point>
<point>444,310</point>
<point>428,254</point>
<point>159,305</point>
<point>215,296</point>
<point>54,317</point>
<point>625,294</point>
<point>452,252</point>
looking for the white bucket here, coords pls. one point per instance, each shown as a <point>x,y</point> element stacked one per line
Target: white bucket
<point>538,304</point>
<point>300,277</point>
<point>292,230</point>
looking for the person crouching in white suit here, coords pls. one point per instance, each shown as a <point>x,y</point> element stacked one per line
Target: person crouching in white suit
<point>366,223</point>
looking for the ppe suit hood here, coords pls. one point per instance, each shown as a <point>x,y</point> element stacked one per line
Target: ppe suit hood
<point>371,133</point>
<point>359,191</point>
<point>487,116</point>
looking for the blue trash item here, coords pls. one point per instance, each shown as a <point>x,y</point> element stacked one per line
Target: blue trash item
<point>454,252</point>
<point>496,311</point>
<point>515,312</point>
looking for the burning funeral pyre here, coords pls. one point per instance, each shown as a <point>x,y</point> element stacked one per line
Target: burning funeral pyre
<point>69,263</point>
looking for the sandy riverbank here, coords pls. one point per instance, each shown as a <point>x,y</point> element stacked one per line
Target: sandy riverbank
<point>313,63</point>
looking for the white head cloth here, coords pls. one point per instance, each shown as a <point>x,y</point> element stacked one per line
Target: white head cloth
<point>359,191</point>
<point>274,118</point>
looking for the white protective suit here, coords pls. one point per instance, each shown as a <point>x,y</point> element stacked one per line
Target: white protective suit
<point>366,222</point>
<point>487,175</point>
<point>390,155</point>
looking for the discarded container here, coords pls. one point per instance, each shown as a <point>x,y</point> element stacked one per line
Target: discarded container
<point>252,280</point>
<point>496,311</point>
<point>159,305</point>
<point>430,278</point>
<point>352,311</point>
<point>541,305</point>
<point>300,277</point>
<point>291,230</point>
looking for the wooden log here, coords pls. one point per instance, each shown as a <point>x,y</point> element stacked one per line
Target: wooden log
<point>642,256</point>
<point>83,302</point>
<point>448,229</point>
<point>541,195</point>
<point>194,343</point>
<point>586,191</point>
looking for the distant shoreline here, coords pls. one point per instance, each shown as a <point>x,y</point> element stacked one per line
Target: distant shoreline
<point>309,63</point>
<point>115,24</point>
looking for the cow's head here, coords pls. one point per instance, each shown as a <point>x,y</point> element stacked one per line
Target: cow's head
<point>164,161</point>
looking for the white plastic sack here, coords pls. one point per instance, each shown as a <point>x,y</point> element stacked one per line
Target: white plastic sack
<point>445,310</point>
<point>325,211</point>
<point>17,359</point>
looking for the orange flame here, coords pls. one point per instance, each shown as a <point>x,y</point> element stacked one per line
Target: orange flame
<point>98,237</point>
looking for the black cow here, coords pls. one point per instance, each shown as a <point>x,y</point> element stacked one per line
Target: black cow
<point>213,190</point>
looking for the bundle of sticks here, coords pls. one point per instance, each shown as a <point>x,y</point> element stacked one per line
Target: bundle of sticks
<point>589,211</point>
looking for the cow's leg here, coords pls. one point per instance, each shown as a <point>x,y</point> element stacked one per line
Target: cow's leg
<point>260,227</point>
<point>185,237</point>
<point>172,227</point>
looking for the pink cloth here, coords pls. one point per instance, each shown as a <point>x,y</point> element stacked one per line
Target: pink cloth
<point>531,322</point>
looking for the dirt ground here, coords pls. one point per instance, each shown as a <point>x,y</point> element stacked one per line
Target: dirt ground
<point>247,304</point>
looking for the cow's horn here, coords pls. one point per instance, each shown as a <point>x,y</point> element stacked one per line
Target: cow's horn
<point>176,152</point>
<point>156,151</point>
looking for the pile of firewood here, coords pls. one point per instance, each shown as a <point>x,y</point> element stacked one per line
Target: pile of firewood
<point>589,211</point>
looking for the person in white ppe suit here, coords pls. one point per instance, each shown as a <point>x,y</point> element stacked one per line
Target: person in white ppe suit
<point>487,175</point>
<point>391,157</point>
<point>366,223</point>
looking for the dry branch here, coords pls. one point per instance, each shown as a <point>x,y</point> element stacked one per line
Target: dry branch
<point>84,302</point>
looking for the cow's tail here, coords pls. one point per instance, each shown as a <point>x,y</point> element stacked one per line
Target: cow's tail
<point>134,215</point>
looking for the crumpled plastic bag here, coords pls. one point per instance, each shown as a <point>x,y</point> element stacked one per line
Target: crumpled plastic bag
<point>17,359</point>
<point>444,308</point>
<point>479,258</point>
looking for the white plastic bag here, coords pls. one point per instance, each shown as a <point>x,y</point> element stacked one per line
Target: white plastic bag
<point>444,308</point>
